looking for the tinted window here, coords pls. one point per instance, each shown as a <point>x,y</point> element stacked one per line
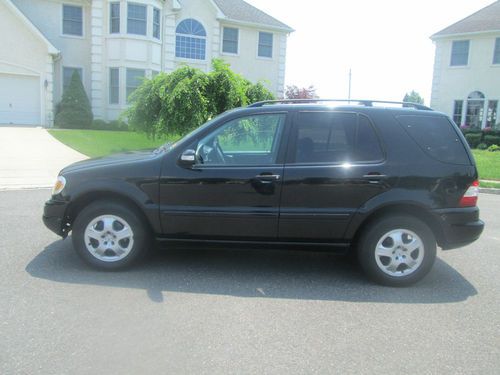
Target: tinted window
<point>332,137</point>
<point>437,137</point>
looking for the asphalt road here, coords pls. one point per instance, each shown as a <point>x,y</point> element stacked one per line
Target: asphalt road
<point>246,312</point>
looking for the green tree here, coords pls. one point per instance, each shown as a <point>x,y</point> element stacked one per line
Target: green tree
<point>74,111</point>
<point>413,97</point>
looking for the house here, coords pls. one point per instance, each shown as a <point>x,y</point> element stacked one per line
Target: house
<point>466,82</point>
<point>114,44</point>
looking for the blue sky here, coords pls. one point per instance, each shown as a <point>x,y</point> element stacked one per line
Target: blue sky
<point>385,43</point>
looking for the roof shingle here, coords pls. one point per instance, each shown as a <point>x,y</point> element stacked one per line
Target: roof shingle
<point>239,10</point>
<point>486,19</point>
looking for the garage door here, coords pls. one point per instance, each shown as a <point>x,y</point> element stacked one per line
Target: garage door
<point>19,99</point>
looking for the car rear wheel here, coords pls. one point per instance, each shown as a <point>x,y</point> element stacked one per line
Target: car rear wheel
<point>397,250</point>
<point>109,235</point>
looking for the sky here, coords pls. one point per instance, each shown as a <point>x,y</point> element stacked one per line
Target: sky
<point>385,43</point>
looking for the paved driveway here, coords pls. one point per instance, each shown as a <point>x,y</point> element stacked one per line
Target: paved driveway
<point>31,158</point>
<point>202,311</point>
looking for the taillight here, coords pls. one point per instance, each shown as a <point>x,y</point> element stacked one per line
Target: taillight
<point>470,197</point>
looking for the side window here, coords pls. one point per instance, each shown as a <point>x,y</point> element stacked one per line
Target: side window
<point>249,140</point>
<point>437,137</point>
<point>333,137</point>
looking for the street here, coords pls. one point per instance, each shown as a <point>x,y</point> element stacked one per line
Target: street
<point>248,312</point>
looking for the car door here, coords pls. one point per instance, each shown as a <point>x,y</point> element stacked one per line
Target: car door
<point>335,163</point>
<point>232,191</point>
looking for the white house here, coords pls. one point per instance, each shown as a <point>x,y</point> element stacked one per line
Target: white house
<point>466,82</point>
<point>112,44</point>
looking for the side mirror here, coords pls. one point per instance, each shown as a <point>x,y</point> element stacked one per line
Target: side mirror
<point>187,158</point>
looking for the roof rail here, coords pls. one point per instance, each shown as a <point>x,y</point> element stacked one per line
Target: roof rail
<point>366,103</point>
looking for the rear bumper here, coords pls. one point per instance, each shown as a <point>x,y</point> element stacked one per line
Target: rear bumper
<point>460,226</point>
<point>53,217</point>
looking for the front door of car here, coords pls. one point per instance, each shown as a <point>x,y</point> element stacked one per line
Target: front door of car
<point>232,189</point>
<point>335,163</point>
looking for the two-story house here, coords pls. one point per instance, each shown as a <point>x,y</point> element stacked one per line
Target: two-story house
<point>113,44</point>
<point>466,82</point>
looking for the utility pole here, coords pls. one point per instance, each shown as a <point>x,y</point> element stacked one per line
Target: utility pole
<point>350,80</point>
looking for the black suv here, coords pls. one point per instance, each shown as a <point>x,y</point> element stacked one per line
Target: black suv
<point>387,181</point>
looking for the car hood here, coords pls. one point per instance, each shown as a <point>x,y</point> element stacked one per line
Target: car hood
<point>115,159</point>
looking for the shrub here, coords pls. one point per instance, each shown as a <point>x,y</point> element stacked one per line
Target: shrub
<point>492,140</point>
<point>482,146</point>
<point>99,124</point>
<point>473,139</point>
<point>74,111</point>
<point>494,148</point>
<point>118,125</point>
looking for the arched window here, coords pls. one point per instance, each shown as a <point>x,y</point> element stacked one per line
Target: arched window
<point>475,109</point>
<point>191,39</point>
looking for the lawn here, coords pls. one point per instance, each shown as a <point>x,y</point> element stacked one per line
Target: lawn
<point>96,143</point>
<point>488,164</point>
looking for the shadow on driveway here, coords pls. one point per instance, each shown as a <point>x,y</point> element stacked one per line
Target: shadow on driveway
<point>252,273</point>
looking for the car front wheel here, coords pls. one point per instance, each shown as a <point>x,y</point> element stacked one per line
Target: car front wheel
<point>397,250</point>
<point>109,235</point>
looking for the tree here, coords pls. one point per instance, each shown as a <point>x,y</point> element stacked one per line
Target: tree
<point>181,101</point>
<point>74,111</point>
<point>413,97</point>
<point>294,92</point>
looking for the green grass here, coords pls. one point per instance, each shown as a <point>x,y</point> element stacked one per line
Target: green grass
<point>489,184</point>
<point>95,143</point>
<point>488,164</point>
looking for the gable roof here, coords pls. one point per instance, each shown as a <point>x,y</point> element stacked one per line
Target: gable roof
<point>51,49</point>
<point>486,19</point>
<point>242,12</point>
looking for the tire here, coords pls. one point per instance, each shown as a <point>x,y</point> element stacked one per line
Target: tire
<point>110,235</point>
<point>397,250</point>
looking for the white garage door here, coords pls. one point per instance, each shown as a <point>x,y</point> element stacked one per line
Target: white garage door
<point>19,99</point>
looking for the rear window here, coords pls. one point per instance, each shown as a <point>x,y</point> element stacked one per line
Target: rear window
<point>437,137</point>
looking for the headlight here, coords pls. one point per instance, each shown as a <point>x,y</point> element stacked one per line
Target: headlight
<point>59,185</point>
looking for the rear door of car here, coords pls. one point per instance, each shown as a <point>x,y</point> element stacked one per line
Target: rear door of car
<point>335,163</point>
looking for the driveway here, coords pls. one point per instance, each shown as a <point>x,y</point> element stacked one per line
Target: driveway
<point>199,311</point>
<point>31,158</point>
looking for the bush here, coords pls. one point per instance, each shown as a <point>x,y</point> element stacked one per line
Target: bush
<point>74,111</point>
<point>482,146</point>
<point>494,148</point>
<point>99,124</point>
<point>186,98</point>
<point>473,139</point>
<point>492,140</point>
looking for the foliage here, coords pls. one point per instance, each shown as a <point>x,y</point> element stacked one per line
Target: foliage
<point>115,125</point>
<point>482,146</point>
<point>494,148</point>
<point>473,139</point>
<point>488,164</point>
<point>74,111</point>
<point>492,140</point>
<point>186,98</point>
<point>295,92</point>
<point>413,97</point>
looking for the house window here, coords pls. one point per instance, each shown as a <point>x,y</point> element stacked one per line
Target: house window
<point>491,116</point>
<point>190,41</point>
<point>230,40</point>
<point>265,44</point>
<point>114,18</point>
<point>72,20</point>
<point>136,19</point>
<point>68,76</point>
<point>475,109</point>
<point>156,23</point>
<point>496,53</point>
<point>460,53</point>
<point>114,86</point>
<point>457,111</point>
<point>134,79</point>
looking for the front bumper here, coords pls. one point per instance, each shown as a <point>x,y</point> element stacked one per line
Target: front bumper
<point>460,226</point>
<point>54,214</point>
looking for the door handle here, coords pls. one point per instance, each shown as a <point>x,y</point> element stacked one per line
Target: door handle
<point>268,177</point>
<point>374,178</point>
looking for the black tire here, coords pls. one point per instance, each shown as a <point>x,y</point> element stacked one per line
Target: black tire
<point>377,230</point>
<point>140,234</point>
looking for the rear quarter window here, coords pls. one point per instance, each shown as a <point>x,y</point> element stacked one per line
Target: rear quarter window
<point>437,137</point>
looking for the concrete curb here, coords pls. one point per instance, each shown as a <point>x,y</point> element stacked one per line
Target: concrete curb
<point>489,191</point>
